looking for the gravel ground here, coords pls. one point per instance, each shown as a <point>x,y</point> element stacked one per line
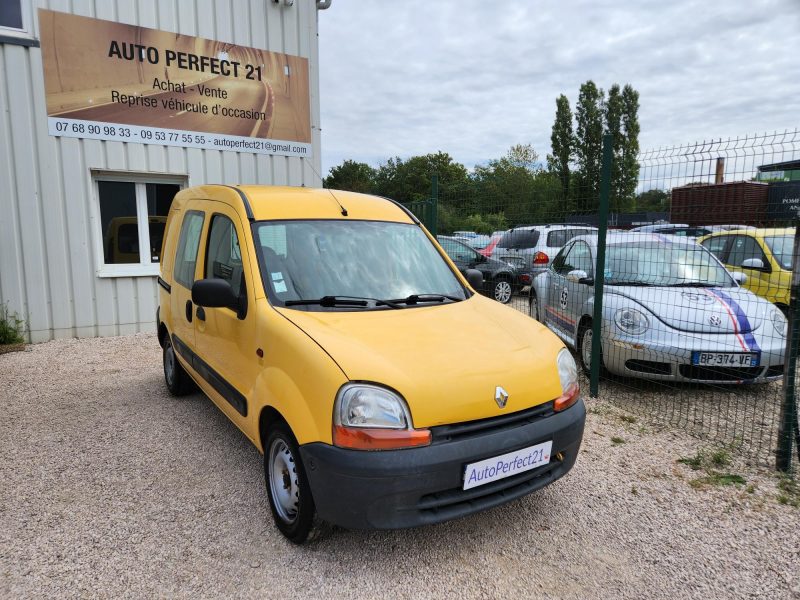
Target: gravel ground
<point>111,488</point>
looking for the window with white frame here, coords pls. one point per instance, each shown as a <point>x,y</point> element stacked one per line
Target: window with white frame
<point>131,217</point>
<point>15,18</point>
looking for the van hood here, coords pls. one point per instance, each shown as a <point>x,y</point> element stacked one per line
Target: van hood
<point>700,309</point>
<point>445,360</point>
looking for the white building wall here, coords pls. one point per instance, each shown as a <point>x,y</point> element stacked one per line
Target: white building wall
<point>48,263</point>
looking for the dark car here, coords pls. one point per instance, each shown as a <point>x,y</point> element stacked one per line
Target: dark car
<point>500,280</point>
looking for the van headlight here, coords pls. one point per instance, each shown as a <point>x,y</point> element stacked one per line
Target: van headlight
<point>568,375</point>
<point>370,417</point>
<point>631,321</point>
<point>779,322</point>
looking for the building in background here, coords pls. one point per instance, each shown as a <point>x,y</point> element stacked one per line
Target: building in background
<point>107,109</point>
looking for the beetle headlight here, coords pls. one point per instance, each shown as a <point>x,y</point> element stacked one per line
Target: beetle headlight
<point>631,321</point>
<point>779,322</point>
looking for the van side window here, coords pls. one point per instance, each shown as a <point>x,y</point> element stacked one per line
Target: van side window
<point>223,255</point>
<point>188,245</point>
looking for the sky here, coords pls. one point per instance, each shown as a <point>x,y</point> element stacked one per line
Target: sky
<point>472,78</point>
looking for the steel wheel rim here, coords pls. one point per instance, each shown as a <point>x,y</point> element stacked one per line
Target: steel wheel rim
<point>283,486</point>
<point>502,291</point>
<point>586,349</point>
<point>169,364</point>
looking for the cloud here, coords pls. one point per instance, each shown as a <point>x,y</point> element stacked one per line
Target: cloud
<point>473,78</point>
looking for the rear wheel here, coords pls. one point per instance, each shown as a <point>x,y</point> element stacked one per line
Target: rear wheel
<point>501,291</point>
<point>178,381</point>
<point>288,490</point>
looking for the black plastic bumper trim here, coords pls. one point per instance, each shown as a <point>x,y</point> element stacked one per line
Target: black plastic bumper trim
<point>393,489</point>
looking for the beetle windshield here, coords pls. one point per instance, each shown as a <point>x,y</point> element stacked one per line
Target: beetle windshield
<point>340,260</point>
<point>782,247</point>
<point>666,264</point>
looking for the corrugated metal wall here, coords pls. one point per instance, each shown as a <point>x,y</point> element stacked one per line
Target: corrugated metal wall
<point>47,260</point>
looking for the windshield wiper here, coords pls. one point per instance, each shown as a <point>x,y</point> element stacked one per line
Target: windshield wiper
<point>418,298</point>
<point>331,301</point>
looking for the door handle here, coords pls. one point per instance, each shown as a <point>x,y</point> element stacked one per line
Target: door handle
<point>189,311</point>
<point>201,313</point>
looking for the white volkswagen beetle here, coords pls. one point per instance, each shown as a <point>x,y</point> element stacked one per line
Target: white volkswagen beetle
<point>671,311</point>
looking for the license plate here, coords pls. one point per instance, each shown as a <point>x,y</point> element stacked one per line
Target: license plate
<point>725,359</point>
<point>506,465</point>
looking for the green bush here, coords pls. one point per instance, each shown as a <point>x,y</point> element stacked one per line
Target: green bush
<point>12,328</point>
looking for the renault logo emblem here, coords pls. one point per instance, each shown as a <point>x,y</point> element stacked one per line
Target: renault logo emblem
<point>500,396</point>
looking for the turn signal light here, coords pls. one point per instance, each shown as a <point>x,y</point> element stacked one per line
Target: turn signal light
<point>540,258</point>
<point>367,438</point>
<point>567,399</point>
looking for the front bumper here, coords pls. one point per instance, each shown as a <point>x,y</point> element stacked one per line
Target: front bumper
<point>668,357</point>
<point>418,486</point>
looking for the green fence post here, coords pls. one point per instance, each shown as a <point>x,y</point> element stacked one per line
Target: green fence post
<point>600,267</point>
<point>433,222</point>
<point>788,420</point>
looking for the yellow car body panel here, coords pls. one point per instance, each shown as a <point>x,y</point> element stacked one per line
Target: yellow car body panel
<point>772,284</point>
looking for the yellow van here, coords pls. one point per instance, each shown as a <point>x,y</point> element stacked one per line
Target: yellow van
<point>334,331</point>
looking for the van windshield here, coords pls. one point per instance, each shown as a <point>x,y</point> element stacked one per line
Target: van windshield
<point>375,260</point>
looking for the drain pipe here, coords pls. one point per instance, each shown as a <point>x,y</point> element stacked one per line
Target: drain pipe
<point>323,4</point>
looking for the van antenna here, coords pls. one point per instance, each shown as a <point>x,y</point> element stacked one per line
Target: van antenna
<point>335,199</point>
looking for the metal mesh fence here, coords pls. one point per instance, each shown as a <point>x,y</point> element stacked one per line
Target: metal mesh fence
<point>695,282</point>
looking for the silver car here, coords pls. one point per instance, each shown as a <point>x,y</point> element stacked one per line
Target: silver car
<point>671,311</point>
<point>532,247</point>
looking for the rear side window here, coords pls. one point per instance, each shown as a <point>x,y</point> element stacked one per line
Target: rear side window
<point>559,237</point>
<point>519,239</point>
<point>744,248</point>
<point>224,258</point>
<point>188,245</point>
<point>716,245</point>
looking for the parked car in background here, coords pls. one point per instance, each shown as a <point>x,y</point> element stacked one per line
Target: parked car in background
<point>532,247</point>
<point>715,228</point>
<point>673,229</point>
<point>671,311</point>
<point>489,248</point>
<point>479,242</point>
<point>500,280</point>
<point>764,255</point>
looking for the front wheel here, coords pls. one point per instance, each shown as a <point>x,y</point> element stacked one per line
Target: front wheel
<point>501,291</point>
<point>585,337</point>
<point>288,489</point>
<point>533,305</point>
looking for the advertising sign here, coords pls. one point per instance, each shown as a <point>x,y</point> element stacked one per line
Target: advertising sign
<point>783,202</point>
<point>110,81</point>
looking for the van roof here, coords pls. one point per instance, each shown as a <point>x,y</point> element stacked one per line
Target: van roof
<point>268,202</point>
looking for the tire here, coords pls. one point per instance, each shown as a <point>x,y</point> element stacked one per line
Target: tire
<point>177,379</point>
<point>288,491</point>
<point>584,349</point>
<point>533,305</point>
<point>502,290</point>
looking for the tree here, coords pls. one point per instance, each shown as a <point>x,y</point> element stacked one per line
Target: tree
<point>562,140</point>
<point>654,200</point>
<point>613,109</point>
<point>410,180</point>
<point>588,144</point>
<point>352,176</point>
<point>629,175</point>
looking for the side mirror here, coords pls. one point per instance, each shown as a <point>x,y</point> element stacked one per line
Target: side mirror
<point>214,293</point>
<point>474,278</point>
<point>740,277</point>
<point>577,276</point>
<point>753,263</point>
